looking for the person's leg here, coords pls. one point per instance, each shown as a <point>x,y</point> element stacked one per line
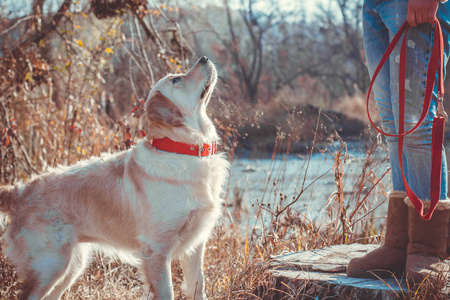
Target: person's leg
<point>391,257</point>
<point>376,40</point>
<point>427,239</point>
<point>417,145</point>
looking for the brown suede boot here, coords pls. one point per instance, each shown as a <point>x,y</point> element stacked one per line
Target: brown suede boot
<point>390,258</point>
<point>428,244</point>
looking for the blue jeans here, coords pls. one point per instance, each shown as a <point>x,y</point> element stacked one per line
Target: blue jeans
<point>381,21</point>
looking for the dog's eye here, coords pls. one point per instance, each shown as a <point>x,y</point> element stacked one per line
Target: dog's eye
<point>176,79</point>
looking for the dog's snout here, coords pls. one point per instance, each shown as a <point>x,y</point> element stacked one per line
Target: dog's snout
<point>204,59</point>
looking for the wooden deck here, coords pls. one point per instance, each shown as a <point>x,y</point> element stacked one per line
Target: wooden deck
<point>321,273</point>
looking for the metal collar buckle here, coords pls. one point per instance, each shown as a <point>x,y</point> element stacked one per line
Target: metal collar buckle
<point>200,150</point>
<point>210,149</point>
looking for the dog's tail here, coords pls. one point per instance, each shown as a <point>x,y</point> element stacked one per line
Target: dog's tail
<point>8,199</point>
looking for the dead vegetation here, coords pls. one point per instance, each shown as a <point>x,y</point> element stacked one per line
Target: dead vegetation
<point>55,89</point>
<point>236,262</point>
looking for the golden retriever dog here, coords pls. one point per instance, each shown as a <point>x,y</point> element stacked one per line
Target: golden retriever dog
<point>156,202</point>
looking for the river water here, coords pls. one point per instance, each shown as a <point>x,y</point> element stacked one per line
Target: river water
<point>263,182</point>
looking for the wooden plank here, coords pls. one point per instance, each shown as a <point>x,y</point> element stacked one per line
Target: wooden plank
<point>324,269</point>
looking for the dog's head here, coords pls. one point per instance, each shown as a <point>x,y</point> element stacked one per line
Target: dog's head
<point>176,106</point>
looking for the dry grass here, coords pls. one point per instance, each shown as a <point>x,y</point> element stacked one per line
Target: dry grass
<point>236,262</point>
<point>38,132</point>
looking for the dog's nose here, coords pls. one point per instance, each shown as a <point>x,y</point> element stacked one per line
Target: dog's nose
<point>204,60</point>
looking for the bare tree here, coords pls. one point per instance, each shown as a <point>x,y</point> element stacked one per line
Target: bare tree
<point>342,48</point>
<point>268,49</point>
<point>246,42</point>
<point>54,66</point>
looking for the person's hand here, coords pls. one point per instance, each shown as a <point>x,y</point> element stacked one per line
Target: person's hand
<point>421,11</point>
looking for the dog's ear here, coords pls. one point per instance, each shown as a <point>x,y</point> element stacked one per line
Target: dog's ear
<point>160,109</point>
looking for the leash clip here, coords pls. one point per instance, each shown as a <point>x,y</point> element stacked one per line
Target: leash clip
<point>440,110</point>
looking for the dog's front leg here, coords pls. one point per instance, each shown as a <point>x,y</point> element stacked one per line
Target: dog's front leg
<point>192,266</point>
<point>156,268</point>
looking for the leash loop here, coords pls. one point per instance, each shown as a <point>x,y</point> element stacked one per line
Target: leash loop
<point>435,65</point>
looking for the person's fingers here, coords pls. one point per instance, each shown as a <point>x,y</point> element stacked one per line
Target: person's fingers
<point>421,17</point>
<point>411,18</point>
<point>431,16</point>
<point>421,11</point>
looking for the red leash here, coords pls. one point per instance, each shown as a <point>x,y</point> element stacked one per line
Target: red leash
<point>436,61</point>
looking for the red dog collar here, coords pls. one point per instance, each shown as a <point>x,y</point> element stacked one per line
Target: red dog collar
<point>169,145</point>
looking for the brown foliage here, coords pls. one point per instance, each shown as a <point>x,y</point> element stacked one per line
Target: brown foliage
<point>54,104</point>
<point>103,9</point>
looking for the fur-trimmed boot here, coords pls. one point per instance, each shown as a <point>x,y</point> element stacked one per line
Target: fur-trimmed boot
<point>390,258</point>
<point>428,244</point>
